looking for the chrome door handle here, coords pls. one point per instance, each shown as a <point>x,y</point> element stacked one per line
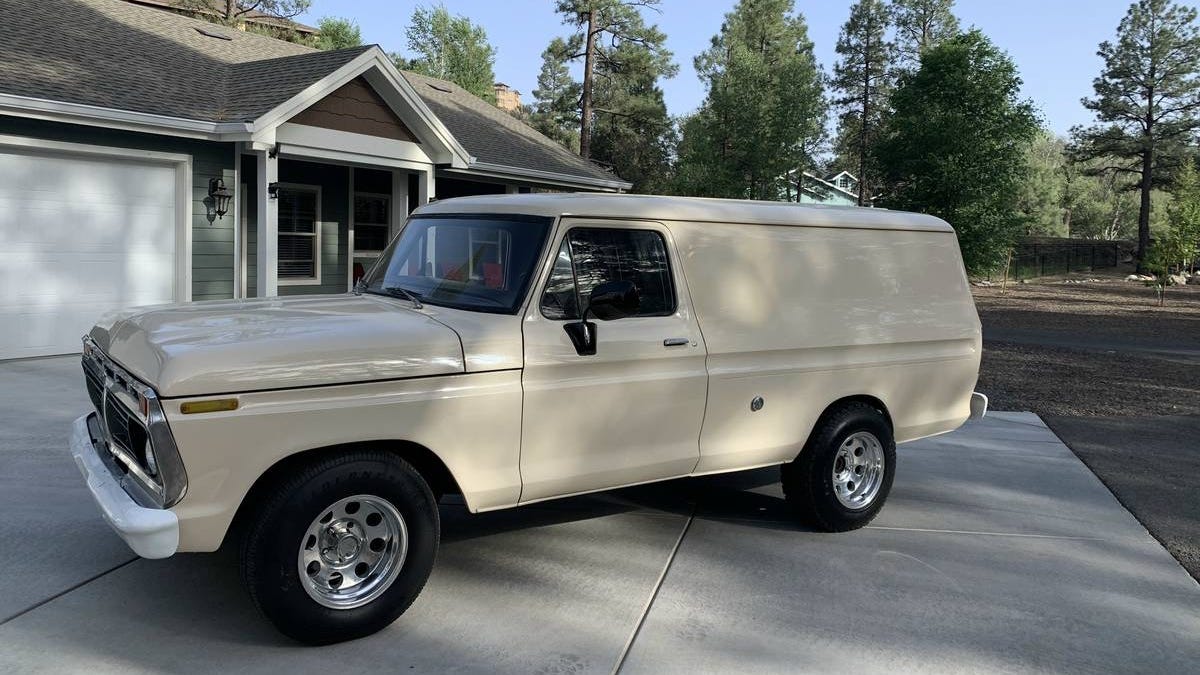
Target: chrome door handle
<point>675,342</point>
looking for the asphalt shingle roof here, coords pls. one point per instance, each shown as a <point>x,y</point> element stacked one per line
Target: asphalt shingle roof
<point>125,56</point>
<point>115,54</point>
<point>496,137</point>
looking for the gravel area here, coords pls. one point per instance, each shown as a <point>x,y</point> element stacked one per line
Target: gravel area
<point>1052,380</point>
<point>1109,308</point>
<point>1117,378</point>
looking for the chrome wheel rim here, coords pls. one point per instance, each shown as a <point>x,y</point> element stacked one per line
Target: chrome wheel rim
<point>352,551</point>
<point>858,470</point>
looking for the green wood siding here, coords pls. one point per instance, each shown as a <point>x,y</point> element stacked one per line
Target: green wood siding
<point>212,243</point>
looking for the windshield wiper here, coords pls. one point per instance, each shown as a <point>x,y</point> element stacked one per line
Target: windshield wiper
<point>405,293</point>
<point>394,291</point>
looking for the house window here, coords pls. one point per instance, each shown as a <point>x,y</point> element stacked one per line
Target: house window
<point>299,234</point>
<point>371,222</point>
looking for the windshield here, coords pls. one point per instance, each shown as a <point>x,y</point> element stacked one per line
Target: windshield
<point>478,262</point>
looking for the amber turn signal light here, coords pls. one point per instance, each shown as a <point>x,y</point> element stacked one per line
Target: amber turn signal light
<point>212,405</point>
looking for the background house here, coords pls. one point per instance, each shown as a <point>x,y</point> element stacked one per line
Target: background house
<point>251,18</point>
<point>147,157</point>
<point>507,98</point>
<point>839,189</point>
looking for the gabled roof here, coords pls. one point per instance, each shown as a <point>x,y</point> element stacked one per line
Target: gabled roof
<point>114,54</point>
<point>495,137</point>
<point>106,61</point>
<point>827,183</point>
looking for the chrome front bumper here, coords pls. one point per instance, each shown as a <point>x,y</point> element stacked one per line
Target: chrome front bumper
<point>150,532</point>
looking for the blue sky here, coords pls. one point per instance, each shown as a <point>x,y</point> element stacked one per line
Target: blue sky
<point>1052,41</point>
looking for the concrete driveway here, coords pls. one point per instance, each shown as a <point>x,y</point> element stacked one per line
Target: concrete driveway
<point>998,551</point>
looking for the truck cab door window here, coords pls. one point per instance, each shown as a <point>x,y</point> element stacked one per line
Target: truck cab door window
<point>589,257</point>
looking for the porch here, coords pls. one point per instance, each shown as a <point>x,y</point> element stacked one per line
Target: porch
<point>329,219</point>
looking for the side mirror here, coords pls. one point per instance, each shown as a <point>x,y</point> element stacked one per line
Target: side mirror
<point>608,301</point>
<point>614,300</point>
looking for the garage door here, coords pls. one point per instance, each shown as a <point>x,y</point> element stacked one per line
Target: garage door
<point>79,235</point>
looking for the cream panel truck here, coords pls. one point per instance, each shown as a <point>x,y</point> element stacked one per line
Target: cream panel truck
<point>520,348</point>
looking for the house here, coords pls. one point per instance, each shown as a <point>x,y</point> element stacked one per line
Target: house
<point>249,17</point>
<point>507,98</point>
<point>148,157</point>
<point>844,180</point>
<point>840,189</point>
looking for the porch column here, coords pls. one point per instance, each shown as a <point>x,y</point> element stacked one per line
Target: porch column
<point>268,224</point>
<point>399,201</point>
<point>425,187</point>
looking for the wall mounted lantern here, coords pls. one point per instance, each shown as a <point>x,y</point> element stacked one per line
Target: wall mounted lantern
<point>218,199</point>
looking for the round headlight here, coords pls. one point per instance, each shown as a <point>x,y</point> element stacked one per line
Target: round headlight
<point>151,463</point>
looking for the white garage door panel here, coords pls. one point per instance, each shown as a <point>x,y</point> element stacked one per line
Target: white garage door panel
<point>79,237</point>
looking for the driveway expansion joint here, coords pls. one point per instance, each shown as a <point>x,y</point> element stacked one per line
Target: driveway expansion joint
<point>654,592</point>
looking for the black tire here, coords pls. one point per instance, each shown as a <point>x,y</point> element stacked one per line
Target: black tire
<point>271,544</point>
<point>808,481</point>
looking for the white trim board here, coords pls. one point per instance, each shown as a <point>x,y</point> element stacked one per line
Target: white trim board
<point>299,139</point>
<point>502,172</point>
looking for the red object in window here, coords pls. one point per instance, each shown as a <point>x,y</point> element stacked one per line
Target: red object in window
<point>493,275</point>
<point>453,272</point>
<point>359,272</point>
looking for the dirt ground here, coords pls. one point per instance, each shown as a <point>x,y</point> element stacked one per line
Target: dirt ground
<point>1117,377</point>
<point>1095,348</point>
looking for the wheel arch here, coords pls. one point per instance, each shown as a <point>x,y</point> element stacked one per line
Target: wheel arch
<point>427,463</point>
<point>868,399</point>
<point>837,404</point>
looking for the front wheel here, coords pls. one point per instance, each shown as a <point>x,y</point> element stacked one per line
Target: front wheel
<point>342,546</point>
<point>843,476</point>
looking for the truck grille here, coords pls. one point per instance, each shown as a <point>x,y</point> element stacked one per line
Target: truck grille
<point>127,431</point>
<point>131,431</point>
<point>122,429</point>
<point>94,389</point>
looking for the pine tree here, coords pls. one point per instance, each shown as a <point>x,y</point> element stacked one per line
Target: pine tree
<point>1147,101</point>
<point>922,25</point>
<point>603,25</point>
<point>863,78</point>
<point>764,114</point>
<point>633,133</point>
<point>556,100</point>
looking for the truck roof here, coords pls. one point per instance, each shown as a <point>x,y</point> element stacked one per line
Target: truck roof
<point>691,209</point>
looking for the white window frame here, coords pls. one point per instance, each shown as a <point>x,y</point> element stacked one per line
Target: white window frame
<point>387,224</point>
<point>314,280</point>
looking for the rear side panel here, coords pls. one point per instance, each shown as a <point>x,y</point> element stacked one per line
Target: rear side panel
<point>803,316</point>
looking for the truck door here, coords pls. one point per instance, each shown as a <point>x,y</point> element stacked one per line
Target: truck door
<point>631,412</point>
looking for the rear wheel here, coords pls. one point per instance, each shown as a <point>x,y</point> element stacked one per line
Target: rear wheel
<point>843,476</point>
<point>342,547</point>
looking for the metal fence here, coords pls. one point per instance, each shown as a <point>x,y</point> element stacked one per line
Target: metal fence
<point>1044,256</point>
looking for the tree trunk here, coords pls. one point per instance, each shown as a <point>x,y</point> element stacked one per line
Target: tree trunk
<point>230,9</point>
<point>585,112</point>
<point>1144,210</point>
<point>862,126</point>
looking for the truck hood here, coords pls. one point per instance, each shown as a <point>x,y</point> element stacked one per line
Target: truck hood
<point>229,346</point>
